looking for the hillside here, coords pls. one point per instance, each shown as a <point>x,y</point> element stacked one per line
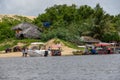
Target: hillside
<point>12,15</point>
<point>65,49</point>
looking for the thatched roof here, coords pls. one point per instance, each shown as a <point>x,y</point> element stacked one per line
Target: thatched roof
<point>28,30</point>
<point>89,39</point>
<point>23,26</point>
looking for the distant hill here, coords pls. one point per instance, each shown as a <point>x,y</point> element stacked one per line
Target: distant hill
<point>12,15</point>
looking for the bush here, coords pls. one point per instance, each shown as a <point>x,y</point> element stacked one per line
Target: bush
<point>113,36</point>
<point>4,47</point>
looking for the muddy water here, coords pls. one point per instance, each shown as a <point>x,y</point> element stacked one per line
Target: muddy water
<point>89,67</point>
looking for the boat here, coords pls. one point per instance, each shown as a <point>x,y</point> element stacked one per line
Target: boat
<point>39,53</point>
<point>38,50</point>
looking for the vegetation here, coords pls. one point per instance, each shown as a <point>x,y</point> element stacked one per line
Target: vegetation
<point>68,23</point>
<point>11,43</point>
<point>7,23</point>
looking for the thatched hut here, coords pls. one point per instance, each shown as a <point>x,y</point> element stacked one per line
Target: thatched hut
<point>27,30</point>
<point>89,40</point>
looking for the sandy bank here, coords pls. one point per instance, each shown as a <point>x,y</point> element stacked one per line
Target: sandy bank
<point>19,54</point>
<point>12,54</point>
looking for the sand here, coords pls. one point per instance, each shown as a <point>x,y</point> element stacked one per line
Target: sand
<point>66,51</point>
<point>19,54</point>
<point>12,16</point>
<point>12,54</point>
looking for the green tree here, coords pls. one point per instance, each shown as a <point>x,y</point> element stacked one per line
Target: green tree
<point>72,22</point>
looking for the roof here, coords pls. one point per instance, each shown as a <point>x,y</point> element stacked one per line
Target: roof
<point>89,39</point>
<point>23,26</point>
<point>31,32</point>
<point>28,30</point>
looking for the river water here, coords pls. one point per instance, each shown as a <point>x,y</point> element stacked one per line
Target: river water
<point>88,67</point>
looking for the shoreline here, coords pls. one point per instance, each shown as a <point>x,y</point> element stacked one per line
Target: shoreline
<point>19,54</point>
<point>11,54</point>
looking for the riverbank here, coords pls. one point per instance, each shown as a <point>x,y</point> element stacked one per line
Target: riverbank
<point>19,54</point>
<point>12,54</point>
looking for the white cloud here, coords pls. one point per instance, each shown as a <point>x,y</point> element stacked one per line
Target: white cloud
<point>34,7</point>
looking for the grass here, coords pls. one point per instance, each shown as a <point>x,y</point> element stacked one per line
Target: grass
<point>71,45</point>
<point>12,42</point>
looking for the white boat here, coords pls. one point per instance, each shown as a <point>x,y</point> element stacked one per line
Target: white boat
<point>38,53</point>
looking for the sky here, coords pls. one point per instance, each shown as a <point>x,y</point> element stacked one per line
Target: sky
<point>36,7</point>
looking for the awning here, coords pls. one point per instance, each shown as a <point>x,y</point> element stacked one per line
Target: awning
<point>103,44</point>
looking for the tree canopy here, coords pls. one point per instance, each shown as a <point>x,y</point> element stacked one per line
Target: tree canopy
<point>72,22</point>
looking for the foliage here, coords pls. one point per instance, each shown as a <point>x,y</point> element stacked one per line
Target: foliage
<point>7,23</point>
<point>114,36</point>
<point>28,40</point>
<point>4,47</point>
<point>9,43</point>
<point>69,23</point>
<point>57,41</point>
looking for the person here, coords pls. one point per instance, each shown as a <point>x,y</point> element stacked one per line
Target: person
<point>86,51</point>
<point>109,50</point>
<point>24,52</point>
<point>93,51</point>
<point>49,49</point>
<point>46,53</point>
<point>90,50</point>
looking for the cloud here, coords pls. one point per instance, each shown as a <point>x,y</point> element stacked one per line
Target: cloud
<point>35,7</point>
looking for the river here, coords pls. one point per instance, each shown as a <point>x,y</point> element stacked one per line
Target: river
<point>87,67</point>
